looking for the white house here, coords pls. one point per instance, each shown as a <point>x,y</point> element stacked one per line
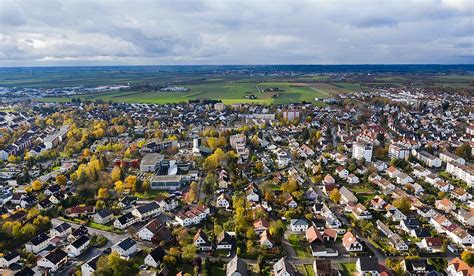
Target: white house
<point>62,230</point>
<point>37,244</point>
<point>125,248</point>
<point>88,268</point>
<point>125,221</point>
<point>78,246</point>
<point>222,201</point>
<point>362,150</point>
<point>104,216</point>
<point>145,211</point>
<point>155,257</point>
<point>299,225</point>
<point>350,243</point>
<point>53,260</point>
<point>8,259</point>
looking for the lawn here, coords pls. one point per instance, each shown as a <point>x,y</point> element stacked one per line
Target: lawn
<point>100,226</point>
<point>299,245</point>
<point>309,270</point>
<point>349,268</point>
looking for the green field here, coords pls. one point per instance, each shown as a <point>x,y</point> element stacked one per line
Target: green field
<point>228,92</point>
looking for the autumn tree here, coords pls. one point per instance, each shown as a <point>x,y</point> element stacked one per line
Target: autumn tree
<point>468,257</point>
<point>103,193</point>
<point>191,196</point>
<point>403,204</point>
<point>36,185</point>
<point>130,182</point>
<point>61,179</point>
<point>335,195</point>
<point>116,174</point>
<point>119,186</point>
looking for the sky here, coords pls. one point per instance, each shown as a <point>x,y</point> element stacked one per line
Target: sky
<point>165,32</point>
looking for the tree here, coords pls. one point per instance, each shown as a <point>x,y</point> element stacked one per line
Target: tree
<point>102,193</point>
<point>116,173</point>
<point>131,182</point>
<point>403,204</point>
<point>11,159</point>
<point>36,185</point>
<point>464,151</point>
<point>100,204</point>
<point>335,196</point>
<point>61,179</point>
<point>277,228</point>
<point>189,252</point>
<point>119,186</point>
<point>468,257</point>
<point>191,196</point>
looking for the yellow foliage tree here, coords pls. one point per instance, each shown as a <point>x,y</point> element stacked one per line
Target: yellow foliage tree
<point>116,173</point>
<point>102,193</point>
<point>36,185</point>
<point>119,186</point>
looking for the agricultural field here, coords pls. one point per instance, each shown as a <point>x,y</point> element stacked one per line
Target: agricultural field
<point>228,92</point>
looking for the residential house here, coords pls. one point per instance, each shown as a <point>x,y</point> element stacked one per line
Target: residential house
<point>350,243</point>
<point>367,266</point>
<point>125,221</point>
<point>125,248</point>
<point>62,230</point>
<point>360,212</point>
<point>445,205</point>
<point>283,268</point>
<point>224,241</point>
<point>299,225</point>
<point>236,267</point>
<point>78,246</point>
<point>155,257</point>
<point>347,196</point>
<point>104,216</point>
<point>9,259</point>
<point>53,260</point>
<point>458,267</point>
<point>89,267</point>
<point>266,240</point>
<point>146,211</point>
<point>201,241</point>
<point>37,244</point>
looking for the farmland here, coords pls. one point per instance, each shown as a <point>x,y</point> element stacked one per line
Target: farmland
<point>228,92</point>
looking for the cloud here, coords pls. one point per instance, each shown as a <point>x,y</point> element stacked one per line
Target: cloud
<point>68,32</point>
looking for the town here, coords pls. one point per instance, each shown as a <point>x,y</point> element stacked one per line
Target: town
<point>376,182</point>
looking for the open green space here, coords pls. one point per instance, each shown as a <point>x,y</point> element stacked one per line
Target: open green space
<point>301,247</point>
<point>348,268</point>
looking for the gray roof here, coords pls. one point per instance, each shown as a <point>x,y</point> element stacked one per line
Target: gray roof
<point>283,267</point>
<point>236,265</point>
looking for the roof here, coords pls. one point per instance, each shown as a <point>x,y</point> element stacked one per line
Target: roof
<point>283,267</point>
<point>39,239</point>
<point>148,207</point>
<point>157,254</point>
<point>104,213</point>
<point>461,266</point>
<point>348,239</point>
<point>126,243</point>
<point>299,222</point>
<point>62,227</point>
<point>93,262</point>
<point>313,235</point>
<point>56,256</point>
<point>237,265</point>
<point>368,264</point>
<point>80,241</point>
